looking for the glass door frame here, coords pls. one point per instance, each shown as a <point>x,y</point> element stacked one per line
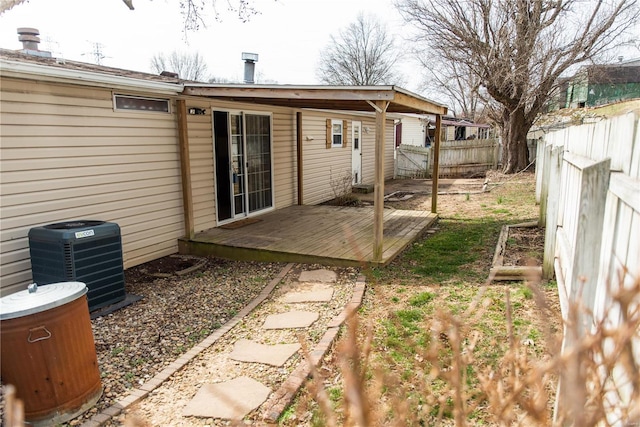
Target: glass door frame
<point>245,175</point>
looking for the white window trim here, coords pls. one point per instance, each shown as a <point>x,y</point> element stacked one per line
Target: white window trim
<point>333,143</point>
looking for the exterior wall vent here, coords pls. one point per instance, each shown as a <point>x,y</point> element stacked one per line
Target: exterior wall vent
<point>82,251</point>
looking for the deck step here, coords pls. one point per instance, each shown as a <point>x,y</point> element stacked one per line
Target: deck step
<point>362,188</point>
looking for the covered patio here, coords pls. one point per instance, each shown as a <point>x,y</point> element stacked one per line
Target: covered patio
<point>325,234</point>
<point>321,234</point>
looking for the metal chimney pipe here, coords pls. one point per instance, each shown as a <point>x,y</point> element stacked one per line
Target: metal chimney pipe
<point>250,60</point>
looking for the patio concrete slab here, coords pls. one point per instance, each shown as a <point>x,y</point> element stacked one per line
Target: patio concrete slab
<point>251,351</point>
<point>322,275</point>
<point>290,319</point>
<point>309,292</point>
<point>229,400</point>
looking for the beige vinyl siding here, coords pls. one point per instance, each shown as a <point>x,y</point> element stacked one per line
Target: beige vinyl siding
<point>66,155</point>
<point>325,167</point>
<point>200,133</point>
<point>413,131</point>
<point>284,158</point>
<point>200,130</point>
<point>322,165</point>
<point>368,151</point>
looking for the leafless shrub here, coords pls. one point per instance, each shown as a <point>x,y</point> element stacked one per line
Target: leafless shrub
<point>598,372</point>
<point>341,186</point>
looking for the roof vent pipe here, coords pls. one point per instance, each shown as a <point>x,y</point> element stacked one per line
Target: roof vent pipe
<point>30,40</point>
<point>250,60</point>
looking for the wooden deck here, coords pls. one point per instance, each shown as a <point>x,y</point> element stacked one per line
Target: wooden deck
<point>312,234</point>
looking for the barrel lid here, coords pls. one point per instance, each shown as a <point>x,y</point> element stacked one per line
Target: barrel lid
<point>36,299</point>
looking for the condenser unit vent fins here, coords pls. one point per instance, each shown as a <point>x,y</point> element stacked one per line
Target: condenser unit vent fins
<point>82,251</point>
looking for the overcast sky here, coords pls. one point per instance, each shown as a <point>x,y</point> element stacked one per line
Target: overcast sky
<point>288,34</point>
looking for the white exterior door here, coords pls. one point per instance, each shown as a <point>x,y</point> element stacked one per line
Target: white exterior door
<point>356,152</point>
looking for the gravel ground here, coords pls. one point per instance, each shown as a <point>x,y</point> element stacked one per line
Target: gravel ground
<point>176,312</point>
<point>163,406</point>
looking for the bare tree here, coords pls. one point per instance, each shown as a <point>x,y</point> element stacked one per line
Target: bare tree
<point>518,49</point>
<point>363,53</point>
<point>188,66</point>
<point>458,84</point>
<point>194,12</point>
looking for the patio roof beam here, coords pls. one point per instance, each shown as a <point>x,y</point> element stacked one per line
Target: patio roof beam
<point>347,98</point>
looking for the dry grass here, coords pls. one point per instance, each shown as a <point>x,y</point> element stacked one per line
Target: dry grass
<point>436,345</point>
<point>451,385</point>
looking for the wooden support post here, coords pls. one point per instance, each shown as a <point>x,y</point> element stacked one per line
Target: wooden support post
<point>185,169</point>
<point>378,199</point>
<point>552,164</point>
<point>299,154</point>
<point>436,164</point>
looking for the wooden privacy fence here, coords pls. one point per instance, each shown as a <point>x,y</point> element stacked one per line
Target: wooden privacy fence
<point>588,186</point>
<point>457,158</point>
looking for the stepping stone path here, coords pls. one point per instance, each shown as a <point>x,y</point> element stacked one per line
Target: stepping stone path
<point>234,399</point>
<point>290,319</point>
<point>229,400</point>
<point>310,292</point>
<point>251,351</point>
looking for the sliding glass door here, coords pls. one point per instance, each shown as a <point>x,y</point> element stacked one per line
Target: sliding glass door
<point>242,150</point>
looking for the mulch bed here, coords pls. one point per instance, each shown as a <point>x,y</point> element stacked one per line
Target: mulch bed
<point>524,247</point>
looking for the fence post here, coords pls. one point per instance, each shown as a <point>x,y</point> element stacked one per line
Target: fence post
<point>540,164</point>
<point>585,267</point>
<point>552,197</point>
<point>546,182</point>
<point>588,240</point>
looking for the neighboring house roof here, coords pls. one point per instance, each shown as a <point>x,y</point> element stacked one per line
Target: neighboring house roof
<point>616,73</point>
<point>452,121</point>
<point>447,121</point>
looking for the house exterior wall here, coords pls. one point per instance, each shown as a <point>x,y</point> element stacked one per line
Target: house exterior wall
<point>67,155</point>
<point>200,131</point>
<point>413,131</point>
<point>326,168</point>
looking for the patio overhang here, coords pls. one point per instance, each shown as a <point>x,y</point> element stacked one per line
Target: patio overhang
<point>347,98</point>
<point>378,99</point>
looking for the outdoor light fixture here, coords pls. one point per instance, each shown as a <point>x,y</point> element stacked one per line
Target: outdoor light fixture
<point>197,111</point>
<point>309,138</point>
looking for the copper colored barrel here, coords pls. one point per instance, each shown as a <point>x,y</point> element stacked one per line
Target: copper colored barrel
<point>49,356</point>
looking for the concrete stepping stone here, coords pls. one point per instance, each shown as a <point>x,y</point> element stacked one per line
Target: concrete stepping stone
<point>309,292</point>
<point>322,275</point>
<point>251,351</point>
<point>229,400</point>
<point>290,319</point>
